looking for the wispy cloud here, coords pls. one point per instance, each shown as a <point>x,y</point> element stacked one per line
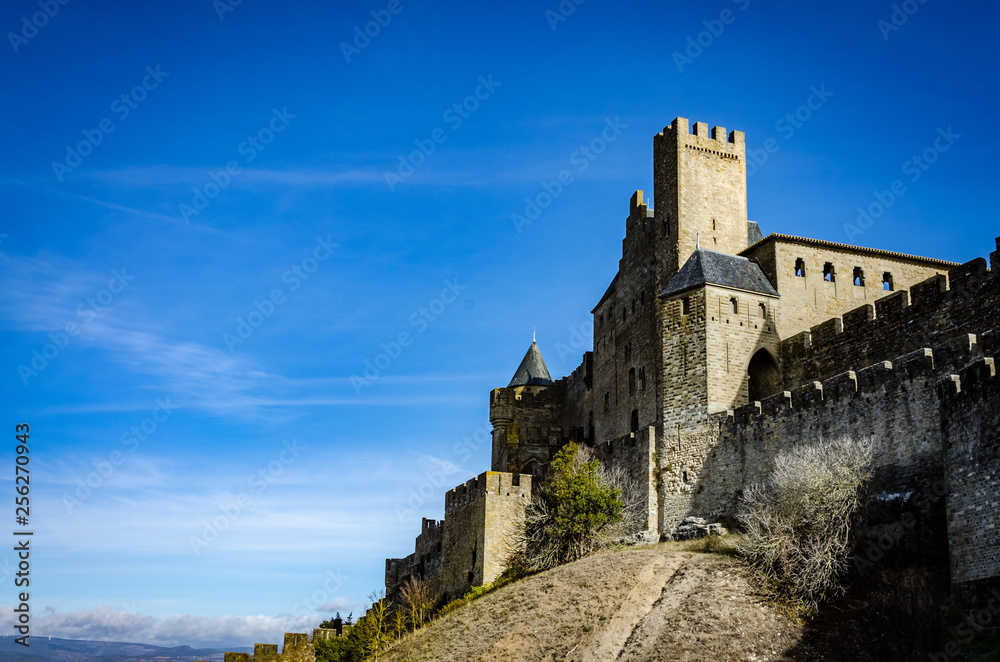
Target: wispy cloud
<point>106,623</point>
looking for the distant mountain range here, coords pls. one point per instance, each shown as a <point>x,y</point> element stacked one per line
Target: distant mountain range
<point>44,649</point>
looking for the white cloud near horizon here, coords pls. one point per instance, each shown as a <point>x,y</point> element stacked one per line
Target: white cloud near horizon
<point>106,623</point>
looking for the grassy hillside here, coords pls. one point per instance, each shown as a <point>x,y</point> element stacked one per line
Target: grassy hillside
<point>647,603</point>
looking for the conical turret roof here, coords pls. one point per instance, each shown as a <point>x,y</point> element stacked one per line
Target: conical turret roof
<point>532,371</point>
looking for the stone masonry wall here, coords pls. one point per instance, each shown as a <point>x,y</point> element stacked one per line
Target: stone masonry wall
<point>425,562</point>
<point>700,190</point>
<point>972,430</point>
<point>298,647</point>
<point>966,301</point>
<point>527,425</point>
<point>626,333</point>
<point>480,516</point>
<point>809,299</point>
<point>897,403</point>
<point>634,456</point>
<point>733,338</point>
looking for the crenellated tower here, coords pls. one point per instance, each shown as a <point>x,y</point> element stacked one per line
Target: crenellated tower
<point>699,190</point>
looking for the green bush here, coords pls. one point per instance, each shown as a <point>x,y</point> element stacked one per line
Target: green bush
<point>572,511</point>
<point>338,649</point>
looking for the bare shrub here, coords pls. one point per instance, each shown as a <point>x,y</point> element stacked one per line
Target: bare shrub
<point>417,601</point>
<point>634,513</point>
<point>802,526</point>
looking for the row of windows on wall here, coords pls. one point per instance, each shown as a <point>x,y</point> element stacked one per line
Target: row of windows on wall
<point>830,274</point>
<point>734,307</point>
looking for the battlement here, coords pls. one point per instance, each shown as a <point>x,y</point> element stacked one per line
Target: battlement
<point>868,382</point>
<point>505,401</point>
<point>488,483</point>
<point>698,136</point>
<point>298,647</point>
<point>932,312</point>
<point>637,208</point>
<point>431,526</point>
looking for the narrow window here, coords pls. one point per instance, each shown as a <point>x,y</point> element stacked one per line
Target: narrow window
<point>733,306</point>
<point>859,277</point>
<point>631,381</point>
<point>684,476</point>
<point>642,379</point>
<point>762,311</point>
<point>624,313</point>
<point>800,268</point>
<point>628,351</point>
<point>607,401</point>
<point>633,305</point>
<point>828,273</point>
<point>642,299</point>
<point>887,282</point>
<point>635,420</point>
<point>686,305</point>
<point>713,224</point>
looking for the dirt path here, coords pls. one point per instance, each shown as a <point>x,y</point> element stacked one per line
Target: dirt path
<point>640,604</point>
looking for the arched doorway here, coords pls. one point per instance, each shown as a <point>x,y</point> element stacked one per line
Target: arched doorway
<point>765,378</point>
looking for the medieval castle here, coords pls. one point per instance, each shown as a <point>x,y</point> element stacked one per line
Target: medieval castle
<point>716,348</point>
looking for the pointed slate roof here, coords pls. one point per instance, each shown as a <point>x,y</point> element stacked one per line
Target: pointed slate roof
<point>712,267</point>
<point>532,371</point>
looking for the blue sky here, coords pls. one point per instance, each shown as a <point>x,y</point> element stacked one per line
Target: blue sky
<point>216,217</point>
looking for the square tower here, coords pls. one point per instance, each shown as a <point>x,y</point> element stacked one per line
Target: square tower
<point>699,190</point>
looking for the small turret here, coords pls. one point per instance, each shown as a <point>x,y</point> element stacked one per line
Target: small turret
<point>532,371</point>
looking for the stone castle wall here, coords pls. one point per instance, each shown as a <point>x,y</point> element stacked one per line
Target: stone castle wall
<point>967,301</point>
<point>699,190</point>
<point>425,563</point>
<point>298,647</point>
<point>972,431</point>
<point>627,333</point>
<point>809,299</point>
<point>634,458</point>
